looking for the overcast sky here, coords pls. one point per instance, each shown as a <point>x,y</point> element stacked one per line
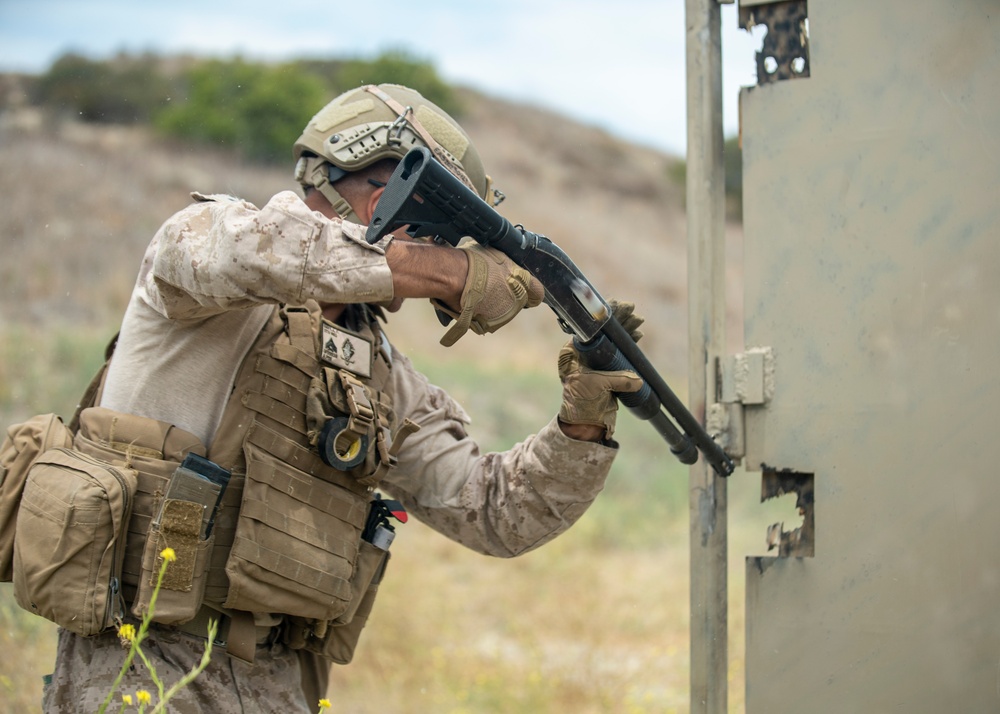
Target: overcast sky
<point>617,64</point>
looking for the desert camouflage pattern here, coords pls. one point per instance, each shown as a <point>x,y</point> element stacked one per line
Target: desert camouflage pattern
<point>86,669</point>
<point>500,504</point>
<point>207,285</point>
<point>210,280</point>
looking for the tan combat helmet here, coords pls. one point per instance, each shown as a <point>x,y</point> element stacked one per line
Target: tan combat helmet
<point>372,123</point>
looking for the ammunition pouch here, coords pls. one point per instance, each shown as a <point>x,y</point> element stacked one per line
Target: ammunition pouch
<point>337,640</point>
<point>22,446</point>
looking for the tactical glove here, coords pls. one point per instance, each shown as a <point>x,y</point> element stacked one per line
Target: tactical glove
<point>495,291</point>
<point>588,395</point>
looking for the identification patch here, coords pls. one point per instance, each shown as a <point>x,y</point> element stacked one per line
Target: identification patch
<point>347,350</point>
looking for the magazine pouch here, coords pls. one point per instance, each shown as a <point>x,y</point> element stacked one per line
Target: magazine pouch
<point>183,587</point>
<point>184,523</point>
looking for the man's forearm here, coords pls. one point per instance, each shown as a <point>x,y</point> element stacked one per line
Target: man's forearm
<point>427,271</point>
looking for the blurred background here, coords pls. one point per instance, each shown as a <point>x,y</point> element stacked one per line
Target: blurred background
<point>111,113</point>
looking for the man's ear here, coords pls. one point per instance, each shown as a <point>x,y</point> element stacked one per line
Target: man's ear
<point>370,204</point>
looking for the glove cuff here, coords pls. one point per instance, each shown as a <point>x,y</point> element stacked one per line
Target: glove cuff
<point>462,321</point>
<point>597,412</point>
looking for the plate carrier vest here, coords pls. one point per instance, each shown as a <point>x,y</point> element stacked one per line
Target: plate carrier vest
<point>287,537</point>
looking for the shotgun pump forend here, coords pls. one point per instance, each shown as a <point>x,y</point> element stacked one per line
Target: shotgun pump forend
<point>427,198</point>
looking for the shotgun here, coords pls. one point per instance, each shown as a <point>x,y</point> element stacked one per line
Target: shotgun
<point>424,196</point>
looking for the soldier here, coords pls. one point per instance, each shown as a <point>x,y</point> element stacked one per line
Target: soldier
<point>253,339</point>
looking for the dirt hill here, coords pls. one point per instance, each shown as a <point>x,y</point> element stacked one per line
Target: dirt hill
<point>81,203</point>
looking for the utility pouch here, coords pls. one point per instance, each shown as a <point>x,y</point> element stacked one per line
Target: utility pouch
<point>69,540</point>
<point>297,535</point>
<point>337,640</point>
<point>23,444</point>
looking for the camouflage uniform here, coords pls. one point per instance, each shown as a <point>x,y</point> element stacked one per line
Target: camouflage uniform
<point>86,667</point>
<point>209,282</point>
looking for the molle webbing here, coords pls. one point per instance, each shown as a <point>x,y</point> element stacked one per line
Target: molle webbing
<point>278,403</point>
<point>154,449</point>
<point>266,415</point>
<point>300,522</point>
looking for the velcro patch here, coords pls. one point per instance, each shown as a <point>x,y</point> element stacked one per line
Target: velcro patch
<point>443,132</point>
<point>333,114</point>
<point>347,350</point>
<point>180,524</point>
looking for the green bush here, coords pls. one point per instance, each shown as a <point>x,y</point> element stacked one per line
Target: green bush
<point>258,109</point>
<point>254,108</point>
<point>124,90</point>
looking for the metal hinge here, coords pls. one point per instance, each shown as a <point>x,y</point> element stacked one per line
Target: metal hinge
<point>745,379</point>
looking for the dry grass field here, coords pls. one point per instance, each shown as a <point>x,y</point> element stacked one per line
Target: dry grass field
<point>594,622</point>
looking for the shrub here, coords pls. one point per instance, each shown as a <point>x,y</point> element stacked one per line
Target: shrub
<point>258,109</point>
<point>125,90</point>
<point>254,108</point>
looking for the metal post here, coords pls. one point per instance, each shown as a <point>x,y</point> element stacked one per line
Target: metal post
<point>706,340</point>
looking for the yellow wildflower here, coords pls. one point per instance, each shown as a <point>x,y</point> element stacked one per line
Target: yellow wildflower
<point>143,696</point>
<point>127,632</point>
<point>324,704</point>
<point>168,555</point>
<point>127,699</point>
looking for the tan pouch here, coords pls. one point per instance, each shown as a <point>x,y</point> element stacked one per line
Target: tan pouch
<point>183,586</point>
<point>69,540</point>
<point>23,444</point>
<point>372,562</point>
<point>337,640</point>
<point>154,449</point>
<point>296,538</point>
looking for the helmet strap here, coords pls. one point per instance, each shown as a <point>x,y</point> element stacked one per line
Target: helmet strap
<point>339,203</point>
<point>314,171</point>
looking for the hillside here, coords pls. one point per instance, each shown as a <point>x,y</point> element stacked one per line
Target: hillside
<point>82,201</point>
<point>80,205</point>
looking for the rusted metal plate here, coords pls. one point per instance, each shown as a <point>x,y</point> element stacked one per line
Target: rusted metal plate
<point>799,542</point>
<point>785,54</point>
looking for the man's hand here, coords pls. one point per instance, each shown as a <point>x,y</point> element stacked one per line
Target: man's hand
<point>495,291</point>
<point>589,407</point>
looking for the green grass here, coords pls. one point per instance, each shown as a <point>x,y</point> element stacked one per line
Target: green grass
<point>46,370</point>
<point>596,621</point>
<point>27,652</point>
